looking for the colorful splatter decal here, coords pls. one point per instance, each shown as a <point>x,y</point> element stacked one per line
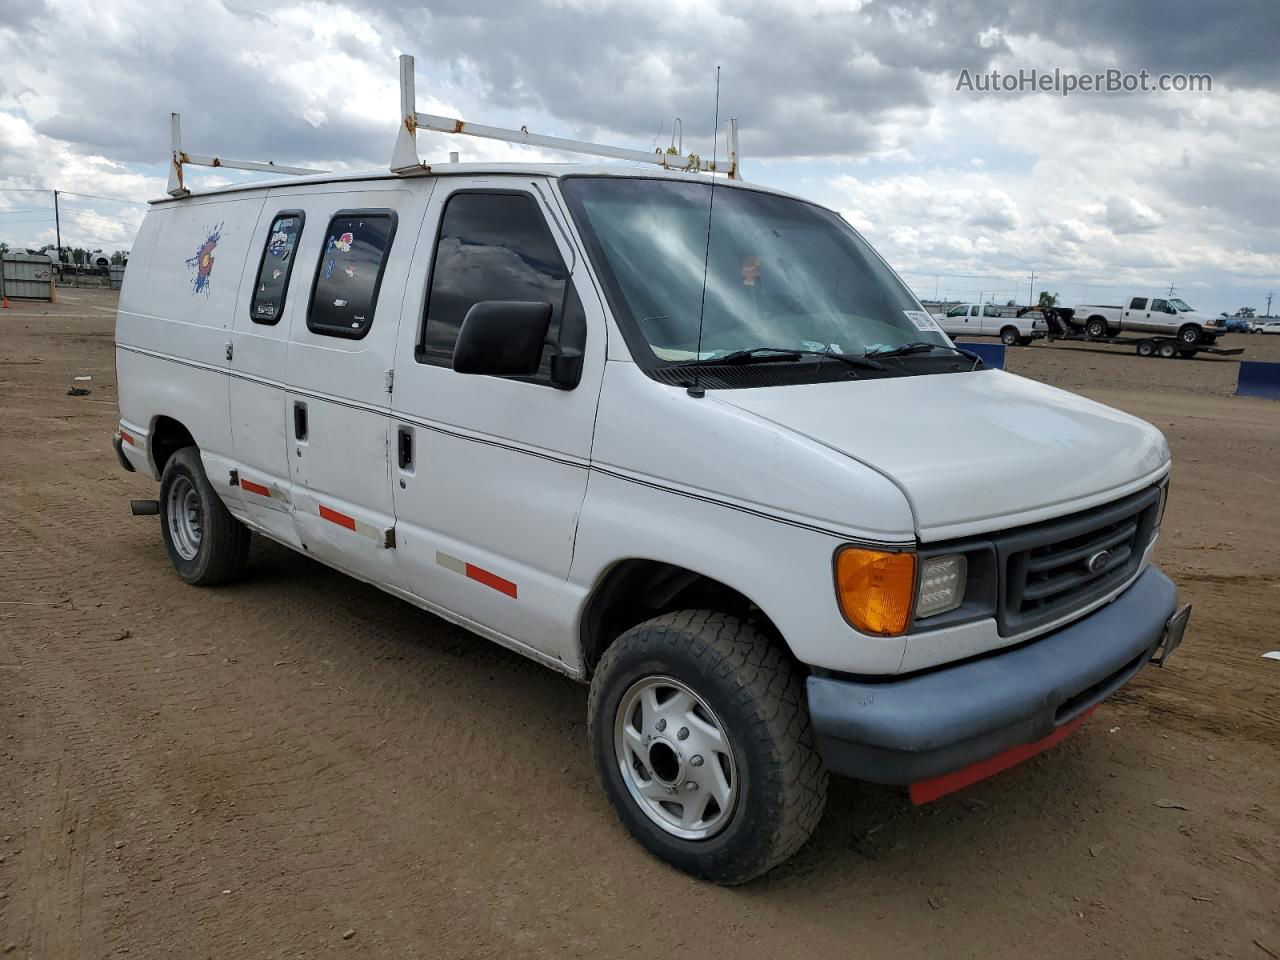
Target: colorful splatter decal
<point>201,265</point>
<point>278,240</point>
<point>344,242</point>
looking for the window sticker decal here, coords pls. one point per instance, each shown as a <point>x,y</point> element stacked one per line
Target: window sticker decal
<point>201,265</point>
<point>344,242</point>
<point>922,320</point>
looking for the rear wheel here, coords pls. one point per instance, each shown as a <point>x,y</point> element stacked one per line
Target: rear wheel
<point>703,743</point>
<point>206,544</point>
<point>1168,350</point>
<point>1146,348</point>
<point>1009,336</point>
<point>1096,328</point>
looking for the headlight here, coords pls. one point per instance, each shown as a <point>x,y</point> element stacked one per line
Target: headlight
<point>942,582</point>
<point>875,589</point>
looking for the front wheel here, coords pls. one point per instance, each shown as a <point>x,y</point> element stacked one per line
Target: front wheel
<point>206,544</point>
<point>1189,333</point>
<point>703,744</point>
<point>1010,337</point>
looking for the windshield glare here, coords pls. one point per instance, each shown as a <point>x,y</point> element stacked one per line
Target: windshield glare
<point>1180,305</point>
<point>781,272</point>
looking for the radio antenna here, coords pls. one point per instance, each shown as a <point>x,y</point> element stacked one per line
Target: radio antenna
<point>695,389</point>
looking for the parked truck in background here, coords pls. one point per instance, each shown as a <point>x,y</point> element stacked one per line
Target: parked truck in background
<point>986,320</point>
<point>1167,315</point>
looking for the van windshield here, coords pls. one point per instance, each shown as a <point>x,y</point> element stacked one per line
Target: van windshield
<point>781,273</point>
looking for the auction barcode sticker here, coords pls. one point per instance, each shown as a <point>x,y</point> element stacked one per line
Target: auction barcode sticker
<point>922,320</point>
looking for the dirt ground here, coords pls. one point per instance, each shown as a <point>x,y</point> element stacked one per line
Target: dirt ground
<point>300,766</point>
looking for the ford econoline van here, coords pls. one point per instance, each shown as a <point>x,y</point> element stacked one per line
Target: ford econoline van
<point>710,456</point>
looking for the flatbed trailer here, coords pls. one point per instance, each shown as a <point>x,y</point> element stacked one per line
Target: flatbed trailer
<point>1167,347</point>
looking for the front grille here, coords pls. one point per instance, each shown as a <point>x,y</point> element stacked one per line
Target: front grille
<point>1046,568</point>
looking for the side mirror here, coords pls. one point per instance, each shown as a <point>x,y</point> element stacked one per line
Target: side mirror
<point>502,338</point>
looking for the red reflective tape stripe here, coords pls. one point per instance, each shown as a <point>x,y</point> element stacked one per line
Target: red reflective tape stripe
<point>341,519</point>
<point>491,580</point>
<point>932,789</point>
<point>259,489</point>
<point>127,438</point>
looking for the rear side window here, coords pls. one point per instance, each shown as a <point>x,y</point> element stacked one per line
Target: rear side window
<point>495,246</point>
<point>276,267</point>
<point>1138,303</point>
<point>349,273</point>
<point>990,311</point>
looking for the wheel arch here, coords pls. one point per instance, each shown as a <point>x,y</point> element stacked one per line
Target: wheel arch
<point>634,590</point>
<point>166,437</point>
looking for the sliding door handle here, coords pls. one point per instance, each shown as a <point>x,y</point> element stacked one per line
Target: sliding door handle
<point>299,420</point>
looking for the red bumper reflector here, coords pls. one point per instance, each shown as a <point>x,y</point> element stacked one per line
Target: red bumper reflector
<point>927,790</point>
<point>341,519</point>
<point>250,487</point>
<point>128,439</point>
<point>491,580</point>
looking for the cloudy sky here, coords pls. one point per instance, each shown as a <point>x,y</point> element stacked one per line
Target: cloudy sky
<point>853,104</point>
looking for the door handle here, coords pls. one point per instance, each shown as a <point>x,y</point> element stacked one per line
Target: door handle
<point>299,420</point>
<point>404,447</point>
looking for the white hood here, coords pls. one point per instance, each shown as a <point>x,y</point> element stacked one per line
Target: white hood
<point>972,452</point>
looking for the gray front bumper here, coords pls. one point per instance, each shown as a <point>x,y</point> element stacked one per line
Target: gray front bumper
<point>923,726</point>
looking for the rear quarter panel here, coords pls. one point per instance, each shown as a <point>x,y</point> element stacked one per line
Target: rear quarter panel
<point>175,317</point>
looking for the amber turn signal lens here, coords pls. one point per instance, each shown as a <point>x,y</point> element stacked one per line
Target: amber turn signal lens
<point>875,589</point>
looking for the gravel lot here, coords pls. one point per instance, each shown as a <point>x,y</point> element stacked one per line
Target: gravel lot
<point>300,766</point>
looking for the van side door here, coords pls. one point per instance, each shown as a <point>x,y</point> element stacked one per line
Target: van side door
<point>491,472</point>
<point>356,253</point>
<point>271,291</point>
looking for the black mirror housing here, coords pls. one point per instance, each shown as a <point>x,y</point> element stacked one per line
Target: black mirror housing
<point>502,338</point>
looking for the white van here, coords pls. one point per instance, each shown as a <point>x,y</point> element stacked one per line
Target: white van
<point>791,533</point>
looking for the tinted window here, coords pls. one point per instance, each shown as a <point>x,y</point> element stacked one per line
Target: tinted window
<point>1138,303</point>
<point>350,271</point>
<point>495,246</point>
<point>959,311</point>
<point>1160,306</point>
<point>276,267</point>
<point>990,311</point>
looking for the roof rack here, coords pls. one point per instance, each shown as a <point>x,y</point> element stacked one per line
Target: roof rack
<point>176,186</point>
<point>405,161</point>
<point>404,156</point>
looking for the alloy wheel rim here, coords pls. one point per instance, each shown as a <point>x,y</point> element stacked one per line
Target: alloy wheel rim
<point>675,758</point>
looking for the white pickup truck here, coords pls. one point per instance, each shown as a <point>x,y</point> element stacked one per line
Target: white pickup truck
<point>984,320</point>
<point>1167,315</point>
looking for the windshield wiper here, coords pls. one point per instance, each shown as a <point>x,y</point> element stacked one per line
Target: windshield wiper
<point>921,346</point>
<point>781,355</point>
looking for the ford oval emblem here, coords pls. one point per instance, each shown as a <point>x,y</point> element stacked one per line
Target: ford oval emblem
<point>1098,561</point>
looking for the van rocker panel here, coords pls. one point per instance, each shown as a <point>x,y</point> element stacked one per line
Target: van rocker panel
<point>903,731</point>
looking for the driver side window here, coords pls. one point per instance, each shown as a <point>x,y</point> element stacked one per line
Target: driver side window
<point>958,311</point>
<point>496,246</point>
<point>1160,306</point>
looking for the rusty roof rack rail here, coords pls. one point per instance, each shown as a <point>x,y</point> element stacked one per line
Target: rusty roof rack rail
<point>405,160</point>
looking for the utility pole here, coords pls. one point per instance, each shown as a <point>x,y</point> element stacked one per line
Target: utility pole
<point>1268,303</point>
<point>57,226</point>
<point>1031,297</point>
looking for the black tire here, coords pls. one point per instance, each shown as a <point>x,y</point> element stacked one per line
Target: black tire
<point>1186,354</point>
<point>1096,328</point>
<point>1146,348</point>
<point>758,698</point>
<point>1190,333</point>
<point>1167,350</point>
<point>1009,336</point>
<point>224,540</point>
<point>1024,341</point>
